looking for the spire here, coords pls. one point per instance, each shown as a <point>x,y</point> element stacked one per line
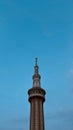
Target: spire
<point>36,66</point>
<point>36,77</point>
<point>36,59</point>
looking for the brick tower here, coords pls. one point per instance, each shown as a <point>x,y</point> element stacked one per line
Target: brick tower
<point>36,99</point>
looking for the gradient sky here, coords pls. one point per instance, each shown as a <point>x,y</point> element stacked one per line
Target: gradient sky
<point>30,29</point>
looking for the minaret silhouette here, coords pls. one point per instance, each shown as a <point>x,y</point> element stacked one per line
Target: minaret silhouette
<point>36,99</point>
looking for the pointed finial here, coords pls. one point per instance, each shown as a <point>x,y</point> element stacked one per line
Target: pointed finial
<point>36,61</point>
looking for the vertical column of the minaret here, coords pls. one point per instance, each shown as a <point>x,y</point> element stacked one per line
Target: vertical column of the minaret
<point>36,99</point>
<point>41,116</point>
<point>32,115</point>
<point>37,121</point>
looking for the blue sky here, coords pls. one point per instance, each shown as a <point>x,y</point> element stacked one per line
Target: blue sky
<point>30,29</point>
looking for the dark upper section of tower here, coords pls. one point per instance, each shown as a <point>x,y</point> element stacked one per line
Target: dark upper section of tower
<point>36,91</point>
<point>36,77</point>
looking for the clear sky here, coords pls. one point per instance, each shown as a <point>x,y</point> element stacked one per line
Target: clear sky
<point>30,29</point>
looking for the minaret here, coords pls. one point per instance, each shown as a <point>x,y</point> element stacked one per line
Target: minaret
<point>36,99</point>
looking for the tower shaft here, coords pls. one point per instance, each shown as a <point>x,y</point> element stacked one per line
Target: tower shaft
<point>36,116</point>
